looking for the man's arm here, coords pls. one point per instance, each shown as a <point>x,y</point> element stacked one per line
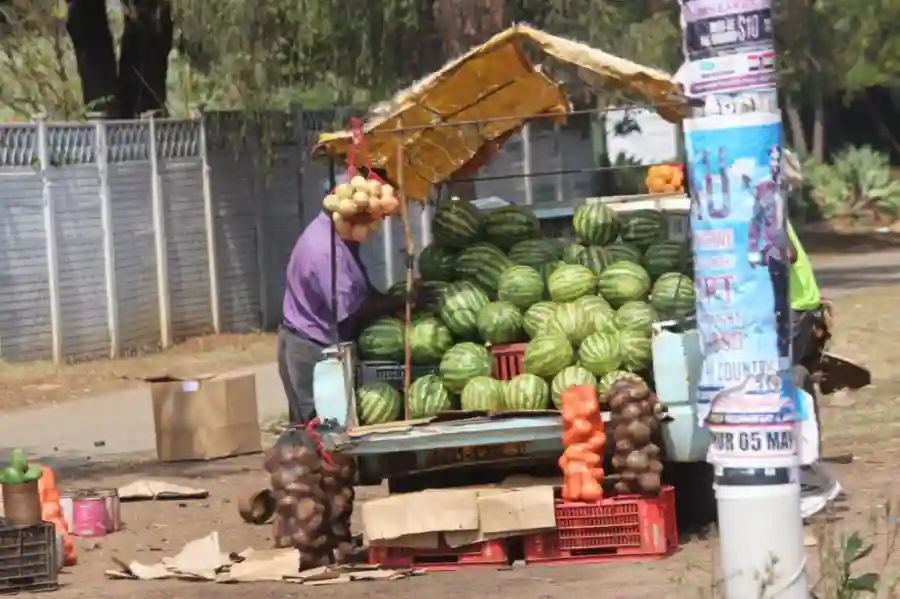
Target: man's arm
<point>373,307</point>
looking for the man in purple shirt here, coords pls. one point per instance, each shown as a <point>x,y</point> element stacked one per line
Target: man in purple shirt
<point>310,324</point>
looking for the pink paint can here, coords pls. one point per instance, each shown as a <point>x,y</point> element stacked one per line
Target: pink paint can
<point>89,515</point>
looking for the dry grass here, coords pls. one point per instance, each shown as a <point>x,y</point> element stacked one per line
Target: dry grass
<point>33,383</point>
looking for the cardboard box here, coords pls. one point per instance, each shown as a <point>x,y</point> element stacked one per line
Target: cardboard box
<point>205,417</point>
<point>460,516</point>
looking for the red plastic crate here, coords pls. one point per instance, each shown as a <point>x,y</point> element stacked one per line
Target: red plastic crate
<point>627,526</point>
<point>487,553</point>
<point>509,360</point>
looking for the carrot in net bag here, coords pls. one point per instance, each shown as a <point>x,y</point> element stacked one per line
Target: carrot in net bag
<point>358,204</point>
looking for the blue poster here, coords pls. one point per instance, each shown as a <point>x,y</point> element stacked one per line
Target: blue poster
<point>741,269</point>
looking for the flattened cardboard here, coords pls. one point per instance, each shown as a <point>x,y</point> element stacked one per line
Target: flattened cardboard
<point>205,417</point>
<point>419,513</point>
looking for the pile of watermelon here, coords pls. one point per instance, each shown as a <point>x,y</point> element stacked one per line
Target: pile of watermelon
<point>584,307</point>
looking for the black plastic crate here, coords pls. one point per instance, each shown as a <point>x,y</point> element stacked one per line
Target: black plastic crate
<point>28,558</point>
<point>389,372</point>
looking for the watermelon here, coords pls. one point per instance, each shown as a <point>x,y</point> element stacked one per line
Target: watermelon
<point>427,396</point>
<point>526,392</point>
<point>522,286</point>
<point>546,270</point>
<point>482,264</point>
<point>635,315</point>
<point>571,376</point>
<point>377,403</point>
<point>624,251</point>
<point>636,350</point>
<point>459,308</point>
<point>537,316</point>
<point>571,281</point>
<point>482,394</point>
<point>600,353</point>
<point>509,225</point>
<point>547,354</point>
<point>593,304</point>
<point>436,263</point>
<point>623,282</point>
<point>673,295</point>
<point>398,289</point>
<point>595,224</point>
<point>611,378</point>
<point>666,256</point>
<point>572,252</point>
<point>463,362</point>
<point>605,321</point>
<point>533,252</point>
<point>435,290</point>
<point>382,340</point>
<point>500,322</point>
<point>456,223</point>
<point>557,245</point>
<point>642,228</point>
<point>429,339</point>
<point>570,320</point>
<point>596,258</point>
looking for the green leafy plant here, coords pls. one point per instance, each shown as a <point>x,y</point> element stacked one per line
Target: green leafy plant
<point>857,184</point>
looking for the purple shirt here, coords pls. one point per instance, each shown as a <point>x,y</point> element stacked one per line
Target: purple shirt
<point>307,294</point>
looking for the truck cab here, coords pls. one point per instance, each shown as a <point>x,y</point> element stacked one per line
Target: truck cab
<point>434,452</point>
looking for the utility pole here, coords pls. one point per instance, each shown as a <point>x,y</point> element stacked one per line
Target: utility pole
<point>746,392</point>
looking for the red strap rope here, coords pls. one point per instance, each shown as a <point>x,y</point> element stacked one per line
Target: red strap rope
<point>310,429</point>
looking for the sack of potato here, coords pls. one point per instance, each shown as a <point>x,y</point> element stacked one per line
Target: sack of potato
<point>359,206</point>
<point>314,502</point>
<point>665,178</point>
<point>634,420</point>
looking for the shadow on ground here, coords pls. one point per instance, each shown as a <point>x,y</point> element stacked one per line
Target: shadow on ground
<point>855,277</point>
<point>827,242</point>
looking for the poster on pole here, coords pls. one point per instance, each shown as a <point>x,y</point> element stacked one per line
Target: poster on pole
<point>741,269</point>
<point>718,27</point>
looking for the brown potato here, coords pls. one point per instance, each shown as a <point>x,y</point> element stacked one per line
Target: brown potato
<point>656,467</point>
<point>639,433</point>
<point>284,541</point>
<point>624,446</point>
<point>299,490</point>
<point>307,508</point>
<point>628,475</point>
<point>286,504</point>
<point>616,401</point>
<point>618,461</point>
<point>312,524</point>
<point>622,432</point>
<point>622,488</point>
<point>637,462</point>
<point>339,505</point>
<point>649,482</point>
<point>631,411</point>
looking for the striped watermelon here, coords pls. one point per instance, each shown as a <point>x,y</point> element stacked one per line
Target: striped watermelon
<point>526,392</point>
<point>636,349</point>
<point>592,304</point>
<point>572,321</point>
<point>571,376</point>
<point>533,252</point>
<point>429,339</point>
<point>600,353</point>
<point>521,286</point>
<point>623,282</point>
<point>635,315</point>
<point>500,322</point>
<point>666,256</point>
<point>463,362</point>
<point>595,224</point>
<point>482,394</point>
<point>572,252</point>
<point>571,281</point>
<point>557,245</point>
<point>456,223</point>
<point>427,396</point>
<point>537,316</point>
<point>437,263</point>
<point>482,264</point>
<point>673,296</point>
<point>377,403</point>
<point>611,378</point>
<point>382,340</point>
<point>547,354</point>
<point>546,270</point>
<point>509,225</point>
<point>459,308</point>
<point>596,258</point>
<point>605,321</point>
<point>624,251</point>
<point>642,228</point>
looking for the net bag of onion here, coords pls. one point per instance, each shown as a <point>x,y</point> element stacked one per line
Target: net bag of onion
<point>634,420</point>
<point>314,496</point>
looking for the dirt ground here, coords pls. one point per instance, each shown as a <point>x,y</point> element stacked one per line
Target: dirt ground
<point>860,423</point>
<point>25,385</point>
